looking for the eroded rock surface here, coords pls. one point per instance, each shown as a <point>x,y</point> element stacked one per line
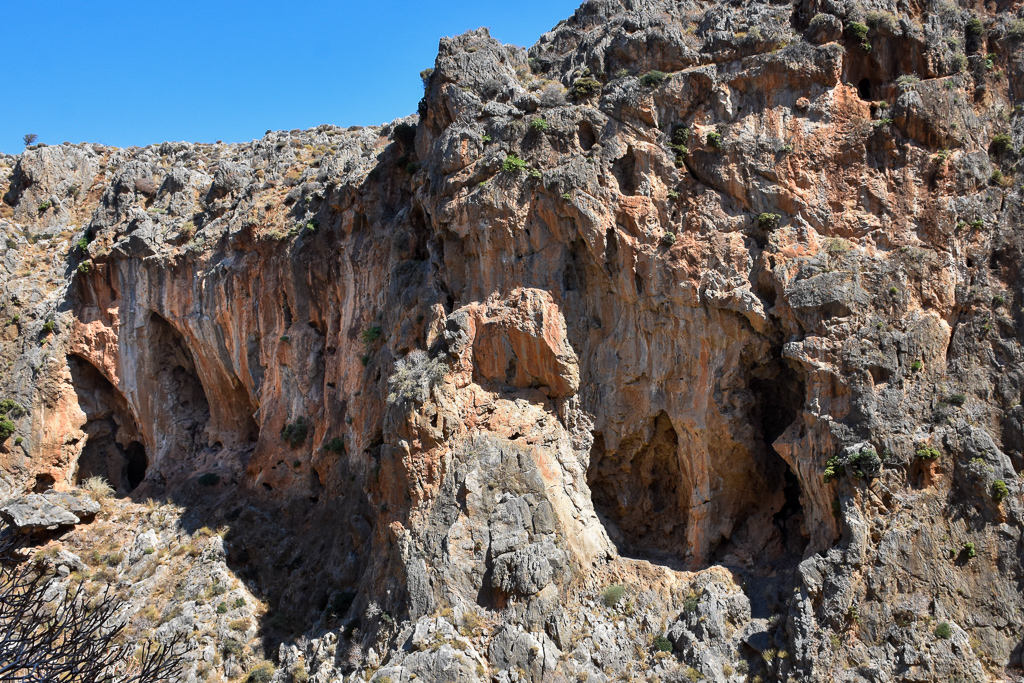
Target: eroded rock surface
<point>681,345</point>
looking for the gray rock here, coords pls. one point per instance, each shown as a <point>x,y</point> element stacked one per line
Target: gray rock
<point>35,512</point>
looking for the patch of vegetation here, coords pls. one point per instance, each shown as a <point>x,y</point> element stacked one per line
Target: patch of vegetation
<point>959,62</point>
<point>957,399</point>
<point>668,239</point>
<point>209,479</point>
<point>768,221</point>
<point>944,631</point>
<point>43,206</point>
<point>513,164</point>
<point>1001,144</point>
<point>613,594</point>
<point>585,87</point>
<point>295,434</point>
<point>714,139</point>
<point>925,452</point>
<point>335,445</point>
<point>999,490</point>
<point>859,32</point>
<point>1015,29</point>
<point>29,138</point>
<point>865,463</point>
<point>975,27</point>
<point>691,603</point>
<point>662,644</point>
<point>262,673</point>
<point>884,20</point>
<point>414,377</point>
<point>84,267</point>
<point>908,79</point>
<point>652,79</point>
<point>405,133</point>
<point>7,428</point>
<point>916,365</point>
<point>372,334</point>
<point>49,327</point>
<point>998,301</point>
<point>969,551</point>
<point>539,124</point>
<point>12,408</point>
<point>834,469</point>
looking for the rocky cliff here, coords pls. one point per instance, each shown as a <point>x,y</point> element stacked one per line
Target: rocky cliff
<point>684,345</point>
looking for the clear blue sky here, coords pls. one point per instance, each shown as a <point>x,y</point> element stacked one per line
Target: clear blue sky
<point>139,72</point>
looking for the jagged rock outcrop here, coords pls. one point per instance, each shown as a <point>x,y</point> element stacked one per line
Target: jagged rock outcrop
<point>685,344</point>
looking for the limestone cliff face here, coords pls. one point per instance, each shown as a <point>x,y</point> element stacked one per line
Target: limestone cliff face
<point>719,304</point>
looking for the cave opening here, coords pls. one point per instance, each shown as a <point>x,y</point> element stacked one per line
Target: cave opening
<point>639,492</point>
<point>624,170</point>
<point>113,446</point>
<point>135,469</point>
<point>864,89</point>
<point>779,391</point>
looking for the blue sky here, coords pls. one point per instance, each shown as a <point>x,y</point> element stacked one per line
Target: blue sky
<point>140,72</point>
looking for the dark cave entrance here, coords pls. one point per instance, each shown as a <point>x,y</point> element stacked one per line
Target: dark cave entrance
<point>113,448</point>
<point>135,470</point>
<point>779,390</point>
<point>640,495</point>
<point>864,89</point>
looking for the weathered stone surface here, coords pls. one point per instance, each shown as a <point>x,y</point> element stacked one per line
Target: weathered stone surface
<point>462,420</point>
<point>35,513</point>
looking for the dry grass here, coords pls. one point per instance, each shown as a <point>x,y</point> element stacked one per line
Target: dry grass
<point>99,487</point>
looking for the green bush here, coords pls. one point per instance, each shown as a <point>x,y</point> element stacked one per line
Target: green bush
<point>335,445</point>
<point>49,327</point>
<point>263,673</point>
<point>232,648</point>
<point>513,164</point>
<point>957,399</point>
<point>539,124</point>
<point>43,205</point>
<point>969,550</point>
<point>662,644</point>
<point>1015,29</point>
<point>222,608</point>
<point>295,433</point>
<point>768,221</point>
<point>859,32</point>
<point>1001,144</point>
<point>834,469</point>
<point>238,603</point>
<point>916,365</point>
<point>405,133</point>
<point>585,87</point>
<point>668,239</point>
<point>82,243</point>
<point>999,490</point>
<point>944,631</point>
<point>714,139</point>
<point>975,27</point>
<point>372,334</point>
<point>613,594</point>
<point>6,429</point>
<point>866,464</point>
<point>84,267</point>
<point>959,62</point>
<point>926,452</point>
<point>653,79</point>
<point>209,479</point>
<point>908,79</point>
<point>998,301</point>
<point>885,20</point>
<point>8,406</point>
